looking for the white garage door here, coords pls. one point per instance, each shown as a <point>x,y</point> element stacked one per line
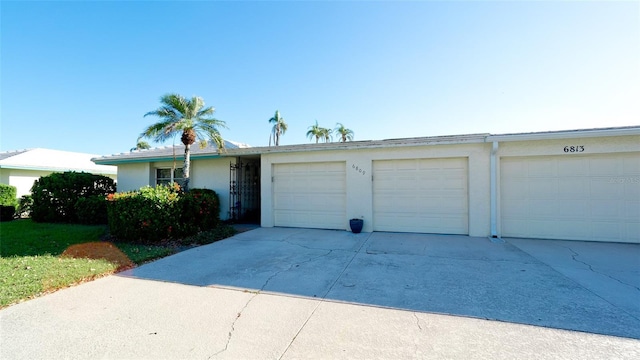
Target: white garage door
<point>421,195</point>
<point>311,195</point>
<point>571,197</point>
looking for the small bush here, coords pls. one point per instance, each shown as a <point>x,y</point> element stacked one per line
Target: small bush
<point>152,214</point>
<point>24,206</point>
<point>199,210</point>
<point>92,210</point>
<point>8,195</point>
<point>55,196</point>
<point>7,212</point>
<point>148,215</point>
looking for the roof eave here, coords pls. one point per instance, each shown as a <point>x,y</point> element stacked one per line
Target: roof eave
<point>567,134</point>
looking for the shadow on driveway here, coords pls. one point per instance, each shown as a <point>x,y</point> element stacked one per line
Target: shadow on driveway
<point>536,282</point>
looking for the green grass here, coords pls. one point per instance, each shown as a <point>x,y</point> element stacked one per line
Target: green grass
<point>30,262</point>
<point>24,277</point>
<point>27,238</point>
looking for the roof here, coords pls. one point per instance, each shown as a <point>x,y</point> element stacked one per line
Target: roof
<point>53,160</point>
<point>166,153</point>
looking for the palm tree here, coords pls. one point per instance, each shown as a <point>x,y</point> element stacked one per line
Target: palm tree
<point>141,145</point>
<point>279,128</point>
<point>326,134</point>
<point>190,118</point>
<point>345,134</point>
<point>315,131</point>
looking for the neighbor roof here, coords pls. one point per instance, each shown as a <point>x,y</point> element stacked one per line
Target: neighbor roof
<point>53,160</point>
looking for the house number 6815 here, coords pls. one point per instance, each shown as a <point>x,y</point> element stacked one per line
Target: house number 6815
<point>358,169</point>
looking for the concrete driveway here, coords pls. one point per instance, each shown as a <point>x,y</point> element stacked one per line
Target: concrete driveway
<point>282,293</point>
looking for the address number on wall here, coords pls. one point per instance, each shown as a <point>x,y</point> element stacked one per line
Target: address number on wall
<point>358,169</point>
<point>574,149</point>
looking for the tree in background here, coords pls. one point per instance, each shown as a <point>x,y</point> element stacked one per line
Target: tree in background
<point>191,119</point>
<point>141,145</point>
<point>279,128</point>
<point>318,132</point>
<point>344,133</point>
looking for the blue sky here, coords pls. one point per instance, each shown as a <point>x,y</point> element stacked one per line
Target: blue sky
<point>79,76</point>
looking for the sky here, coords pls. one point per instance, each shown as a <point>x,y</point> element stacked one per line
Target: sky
<point>80,76</point>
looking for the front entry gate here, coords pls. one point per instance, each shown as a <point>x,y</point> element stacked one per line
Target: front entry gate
<point>244,191</point>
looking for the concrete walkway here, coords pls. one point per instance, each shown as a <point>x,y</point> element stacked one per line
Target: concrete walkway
<point>296,293</point>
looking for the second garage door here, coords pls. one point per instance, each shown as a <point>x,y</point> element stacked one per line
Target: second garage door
<point>310,195</point>
<point>421,195</point>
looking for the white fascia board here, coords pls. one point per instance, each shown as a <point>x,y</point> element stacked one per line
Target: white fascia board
<point>568,134</point>
<point>354,145</point>
<point>116,161</point>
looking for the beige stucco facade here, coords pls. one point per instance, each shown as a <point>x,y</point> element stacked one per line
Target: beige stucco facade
<point>594,173</point>
<point>359,183</point>
<point>205,173</point>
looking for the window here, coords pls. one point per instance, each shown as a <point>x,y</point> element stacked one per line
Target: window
<point>168,176</point>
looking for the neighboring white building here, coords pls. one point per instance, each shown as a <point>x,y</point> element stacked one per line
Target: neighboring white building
<point>574,185</point>
<point>22,167</point>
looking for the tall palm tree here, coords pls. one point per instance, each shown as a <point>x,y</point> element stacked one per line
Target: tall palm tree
<point>345,134</point>
<point>279,128</point>
<point>190,118</point>
<point>315,131</point>
<point>141,145</point>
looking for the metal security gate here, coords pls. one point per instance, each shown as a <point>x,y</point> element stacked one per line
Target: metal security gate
<point>244,191</point>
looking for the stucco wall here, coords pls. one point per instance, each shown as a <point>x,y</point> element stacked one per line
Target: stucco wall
<point>213,174</point>
<point>134,176</point>
<point>360,185</point>
<point>22,179</point>
<point>209,174</point>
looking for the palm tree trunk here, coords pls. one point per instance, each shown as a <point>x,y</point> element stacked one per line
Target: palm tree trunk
<point>186,169</point>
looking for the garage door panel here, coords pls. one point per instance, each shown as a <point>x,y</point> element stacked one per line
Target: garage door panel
<point>421,195</point>
<point>310,195</point>
<point>584,198</point>
<point>631,210</point>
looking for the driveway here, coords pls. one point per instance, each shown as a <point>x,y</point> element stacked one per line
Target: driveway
<point>283,293</point>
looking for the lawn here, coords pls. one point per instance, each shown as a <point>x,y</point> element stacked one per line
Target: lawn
<point>32,261</point>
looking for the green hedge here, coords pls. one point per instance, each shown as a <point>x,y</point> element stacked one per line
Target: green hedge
<point>163,212</point>
<point>8,195</point>
<point>55,196</point>
<point>91,210</point>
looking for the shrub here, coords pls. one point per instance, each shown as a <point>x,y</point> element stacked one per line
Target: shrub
<point>146,215</point>
<point>163,212</point>
<point>8,195</point>
<point>91,210</point>
<point>7,212</point>
<point>55,196</point>
<point>24,206</point>
<point>200,210</point>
